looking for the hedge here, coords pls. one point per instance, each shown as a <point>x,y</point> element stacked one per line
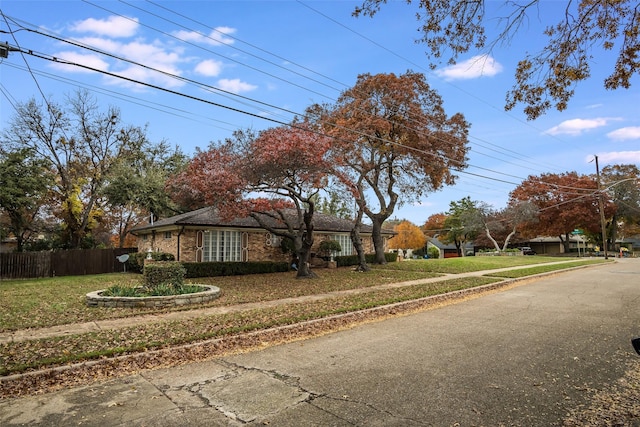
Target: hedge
<point>168,273</point>
<point>347,260</point>
<point>135,263</point>
<point>211,269</point>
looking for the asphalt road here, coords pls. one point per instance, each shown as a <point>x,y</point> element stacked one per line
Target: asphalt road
<point>524,356</point>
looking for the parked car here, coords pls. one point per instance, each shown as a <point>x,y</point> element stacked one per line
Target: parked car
<point>526,250</point>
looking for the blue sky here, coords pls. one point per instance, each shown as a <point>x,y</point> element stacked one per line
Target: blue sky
<point>274,58</point>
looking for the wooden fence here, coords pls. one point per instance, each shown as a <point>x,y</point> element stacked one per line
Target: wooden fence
<point>61,263</point>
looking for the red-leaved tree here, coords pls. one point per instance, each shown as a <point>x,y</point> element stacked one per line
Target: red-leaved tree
<point>565,202</point>
<point>395,143</point>
<point>272,177</point>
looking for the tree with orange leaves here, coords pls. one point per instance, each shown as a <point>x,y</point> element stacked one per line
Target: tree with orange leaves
<point>409,236</point>
<point>434,225</point>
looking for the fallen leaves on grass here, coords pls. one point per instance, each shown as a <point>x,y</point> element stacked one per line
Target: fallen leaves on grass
<point>37,303</point>
<point>170,343</point>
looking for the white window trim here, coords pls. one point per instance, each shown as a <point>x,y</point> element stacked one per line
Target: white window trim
<point>345,243</point>
<point>222,245</point>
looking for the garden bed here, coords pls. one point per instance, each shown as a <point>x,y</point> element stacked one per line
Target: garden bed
<point>96,299</point>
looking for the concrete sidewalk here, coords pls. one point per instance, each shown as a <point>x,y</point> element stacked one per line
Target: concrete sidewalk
<point>109,324</point>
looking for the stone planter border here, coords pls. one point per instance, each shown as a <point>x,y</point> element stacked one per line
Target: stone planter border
<point>95,299</point>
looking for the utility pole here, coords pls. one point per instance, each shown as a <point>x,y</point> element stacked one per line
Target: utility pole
<point>601,207</point>
<point>5,49</point>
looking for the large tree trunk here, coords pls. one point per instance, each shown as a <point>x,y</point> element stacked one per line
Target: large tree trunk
<point>565,242</point>
<point>508,239</point>
<point>304,272</point>
<point>357,243</point>
<point>378,241</point>
<point>303,244</point>
<point>490,237</point>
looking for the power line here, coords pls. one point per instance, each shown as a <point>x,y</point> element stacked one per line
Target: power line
<point>471,95</point>
<point>244,51</point>
<point>184,114</point>
<point>252,100</point>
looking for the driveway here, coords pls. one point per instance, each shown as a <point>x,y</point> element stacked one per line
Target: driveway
<point>525,356</point>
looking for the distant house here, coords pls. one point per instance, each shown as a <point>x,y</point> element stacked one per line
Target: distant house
<point>449,250</point>
<point>554,246</point>
<point>202,236</point>
<point>631,243</point>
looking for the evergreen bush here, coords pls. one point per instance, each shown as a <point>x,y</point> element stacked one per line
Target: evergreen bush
<point>213,269</point>
<point>329,247</point>
<point>348,260</point>
<point>434,253</point>
<point>163,274</point>
<point>135,263</point>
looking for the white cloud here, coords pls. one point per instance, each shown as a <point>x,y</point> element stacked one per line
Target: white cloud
<point>100,43</point>
<point>89,60</point>
<point>622,134</point>
<point>113,26</point>
<point>209,68</point>
<point>618,157</point>
<point>235,85</point>
<point>215,38</point>
<point>154,56</point>
<point>478,66</point>
<point>577,126</point>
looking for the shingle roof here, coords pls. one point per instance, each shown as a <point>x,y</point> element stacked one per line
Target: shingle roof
<point>208,217</point>
<point>440,245</point>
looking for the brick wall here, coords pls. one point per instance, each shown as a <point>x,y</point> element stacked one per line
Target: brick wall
<point>259,248</point>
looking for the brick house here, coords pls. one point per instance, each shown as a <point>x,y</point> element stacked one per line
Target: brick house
<point>201,236</point>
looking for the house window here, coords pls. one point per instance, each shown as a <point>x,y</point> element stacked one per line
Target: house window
<point>223,245</point>
<point>167,234</point>
<point>345,243</point>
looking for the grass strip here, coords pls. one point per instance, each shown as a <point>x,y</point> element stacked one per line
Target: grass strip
<point>28,355</point>
<point>539,269</point>
<point>465,264</point>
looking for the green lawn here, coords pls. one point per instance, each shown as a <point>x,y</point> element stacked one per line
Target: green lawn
<point>538,269</point>
<point>469,264</point>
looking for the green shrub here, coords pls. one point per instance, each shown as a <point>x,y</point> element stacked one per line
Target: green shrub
<point>329,247</point>
<point>135,263</point>
<point>433,252</point>
<point>162,290</point>
<point>121,291</point>
<point>347,260</point>
<point>287,246</point>
<point>213,269</point>
<point>166,273</point>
